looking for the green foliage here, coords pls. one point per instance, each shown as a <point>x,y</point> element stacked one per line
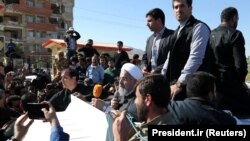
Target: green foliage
<point>19,48</point>
<point>248,75</point>
<point>248,78</point>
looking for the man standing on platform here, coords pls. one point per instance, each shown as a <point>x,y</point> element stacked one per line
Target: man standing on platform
<point>157,44</point>
<point>70,39</point>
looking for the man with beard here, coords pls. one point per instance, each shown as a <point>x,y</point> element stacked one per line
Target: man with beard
<point>152,96</point>
<point>125,98</point>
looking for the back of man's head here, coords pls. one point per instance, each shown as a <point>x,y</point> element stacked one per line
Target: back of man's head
<point>60,54</point>
<point>228,13</point>
<point>136,56</point>
<point>72,73</point>
<point>157,86</point>
<point>89,43</point>
<point>200,84</point>
<point>28,98</point>
<point>11,99</point>
<point>120,43</point>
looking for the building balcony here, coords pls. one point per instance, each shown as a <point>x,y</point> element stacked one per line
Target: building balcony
<point>33,53</point>
<point>14,33</point>
<point>11,24</point>
<point>16,40</point>
<point>46,11</point>
<point>67,16</point>
<point>42,26</point>
<point>68,2</point>
<point>54,1</point>
<point>64,2</point>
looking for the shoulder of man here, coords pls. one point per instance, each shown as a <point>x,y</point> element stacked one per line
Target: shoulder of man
<point>168,31</point>
<point>203,24</point>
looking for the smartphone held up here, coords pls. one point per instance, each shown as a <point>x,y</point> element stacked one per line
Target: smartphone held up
<point>35,110</point>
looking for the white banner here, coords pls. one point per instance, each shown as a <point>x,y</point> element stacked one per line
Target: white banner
<point>81,121</point>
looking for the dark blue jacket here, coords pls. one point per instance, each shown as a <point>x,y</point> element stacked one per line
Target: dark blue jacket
<point>197,111</point>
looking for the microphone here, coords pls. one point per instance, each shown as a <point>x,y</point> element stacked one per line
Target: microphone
<point>97,91</point>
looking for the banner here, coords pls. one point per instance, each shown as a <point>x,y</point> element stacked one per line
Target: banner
<point>81,121</point>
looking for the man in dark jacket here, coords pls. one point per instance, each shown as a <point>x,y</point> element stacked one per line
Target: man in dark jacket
<point>198,108</point>
<point>70,39</point>
<point>11,48</point>
<point>157,44</point>
<point>121,57</point>
<point>230,64</point>
<point>89,50</point>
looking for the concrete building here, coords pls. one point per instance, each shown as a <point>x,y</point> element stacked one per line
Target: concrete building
<point>31,22</point>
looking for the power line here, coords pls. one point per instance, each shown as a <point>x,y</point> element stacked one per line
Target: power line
<point>110,14</point>
<point>126,20</point>
<point>83,18</point>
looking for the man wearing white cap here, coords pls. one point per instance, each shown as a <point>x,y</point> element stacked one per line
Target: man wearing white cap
<point>129,76</point>
<point>70,39</point>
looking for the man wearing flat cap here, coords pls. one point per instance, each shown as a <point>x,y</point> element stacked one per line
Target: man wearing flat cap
<point>70,39</point>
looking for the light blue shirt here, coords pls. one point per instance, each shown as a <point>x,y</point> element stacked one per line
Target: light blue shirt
<point>155,47</point>
<point>198,47</point>
<point>57,134</point>
<point>96,73</point>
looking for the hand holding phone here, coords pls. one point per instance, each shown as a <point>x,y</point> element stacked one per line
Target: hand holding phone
<point>50,114</point>
<point>35,110</point>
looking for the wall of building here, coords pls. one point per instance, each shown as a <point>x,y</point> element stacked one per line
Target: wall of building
<point>30,35</point>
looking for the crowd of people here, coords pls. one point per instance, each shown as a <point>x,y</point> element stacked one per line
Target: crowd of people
<point>187,76</point>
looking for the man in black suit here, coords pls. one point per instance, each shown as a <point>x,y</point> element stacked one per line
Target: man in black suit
<point>121,57</point>
<point>89,50</point>
<point>157,44</point>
